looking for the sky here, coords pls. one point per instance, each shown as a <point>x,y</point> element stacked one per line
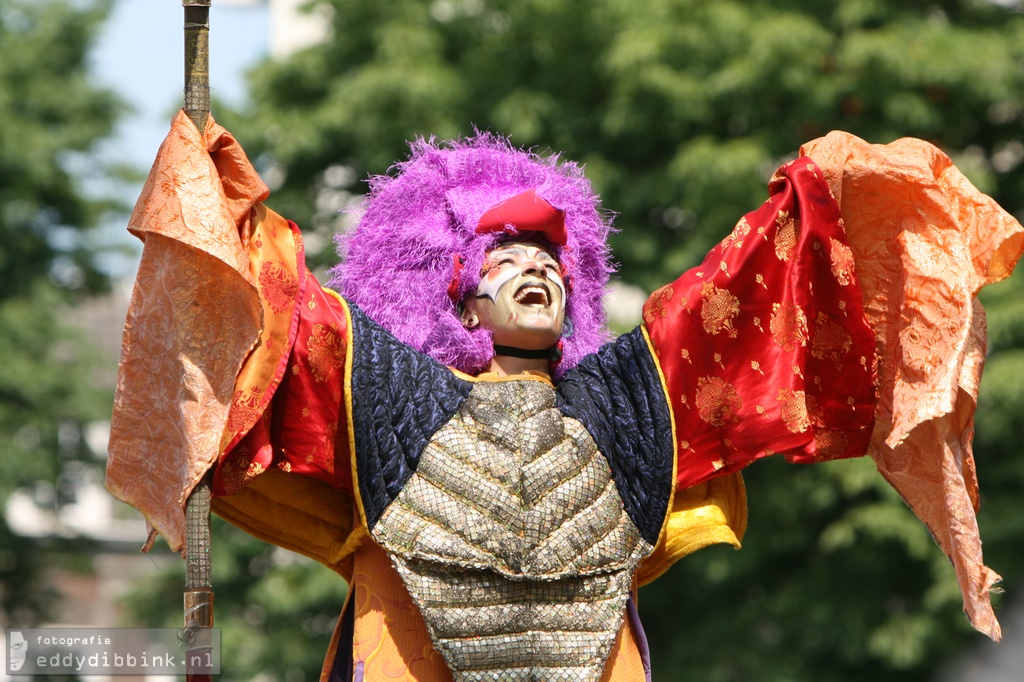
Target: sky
<point>140,54</point>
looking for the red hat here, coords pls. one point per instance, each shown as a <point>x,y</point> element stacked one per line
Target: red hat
<point>525,212</point>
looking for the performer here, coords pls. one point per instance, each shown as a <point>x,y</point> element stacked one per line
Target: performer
<point>457,436</point>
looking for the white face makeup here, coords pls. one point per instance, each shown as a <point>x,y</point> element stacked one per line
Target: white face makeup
<point>521,297</point>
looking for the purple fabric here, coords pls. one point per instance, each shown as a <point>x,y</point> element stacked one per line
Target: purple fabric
<point>397,262</point>
<point>641,636</point>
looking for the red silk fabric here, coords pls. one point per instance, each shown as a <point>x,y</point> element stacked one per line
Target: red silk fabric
<point>764,347</point>
<point>304,429</point>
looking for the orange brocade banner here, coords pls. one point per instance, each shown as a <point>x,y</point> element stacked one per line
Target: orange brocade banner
<point>926,241</point>
<point>178,364</point>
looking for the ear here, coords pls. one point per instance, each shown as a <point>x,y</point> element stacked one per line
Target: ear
<point>468,316</point>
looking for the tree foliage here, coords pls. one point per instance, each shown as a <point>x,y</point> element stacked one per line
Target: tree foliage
<point>52,115</point>
<point>681,109</point>
<point>276,610</point>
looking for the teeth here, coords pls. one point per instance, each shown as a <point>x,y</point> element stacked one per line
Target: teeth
<point>531,291</point>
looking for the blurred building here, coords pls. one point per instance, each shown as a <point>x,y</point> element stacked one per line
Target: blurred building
<point>292,28</point>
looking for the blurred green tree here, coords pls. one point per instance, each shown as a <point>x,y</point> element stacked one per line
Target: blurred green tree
<point>276,610</point>
<point>681,109</point>
<point>53,115</point>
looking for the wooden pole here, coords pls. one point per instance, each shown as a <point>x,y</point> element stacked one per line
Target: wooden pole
<point>197,61</point>
<point>198,584</point>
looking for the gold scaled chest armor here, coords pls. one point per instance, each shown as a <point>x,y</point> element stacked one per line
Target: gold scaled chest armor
<point>513,542</point>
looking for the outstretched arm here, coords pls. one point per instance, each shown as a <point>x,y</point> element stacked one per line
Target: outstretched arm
<point>194,315</point>
<point>236,361</point>
<point>822,329</point>
<point>764,347</point>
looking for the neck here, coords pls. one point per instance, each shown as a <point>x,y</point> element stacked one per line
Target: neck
<point>506,365</point>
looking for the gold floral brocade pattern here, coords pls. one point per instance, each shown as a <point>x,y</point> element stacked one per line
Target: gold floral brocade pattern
<point>830,339</point>
<point>843,266</point>
<point>736,237</point>
<point>654,308</point>
<point>245,408</point>
<point>718,308</point>
<point>718,402</point>
<point>785,236</point>
<point>326,351</point>
<point>240,473</point>
<point>788,325</point>
<point>793,408</point>
<point>279,286</point>
<point>830,444</point>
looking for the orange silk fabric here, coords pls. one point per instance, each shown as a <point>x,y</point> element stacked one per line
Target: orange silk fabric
<point>764,347</point>
<point>193,317</point>
<point>925,241</point>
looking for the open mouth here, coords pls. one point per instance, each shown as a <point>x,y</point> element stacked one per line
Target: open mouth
<point>533,295</point>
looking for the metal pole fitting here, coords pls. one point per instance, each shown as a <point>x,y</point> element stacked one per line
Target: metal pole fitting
<point>197,61</point>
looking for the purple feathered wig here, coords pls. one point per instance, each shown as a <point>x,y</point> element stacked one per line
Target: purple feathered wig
<point>398,263</point>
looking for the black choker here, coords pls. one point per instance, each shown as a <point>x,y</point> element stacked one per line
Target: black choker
<point>526,354</point>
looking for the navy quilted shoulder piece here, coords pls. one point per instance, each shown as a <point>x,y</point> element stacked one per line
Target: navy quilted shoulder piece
<point>616,393</point>
<point>400,398</point>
